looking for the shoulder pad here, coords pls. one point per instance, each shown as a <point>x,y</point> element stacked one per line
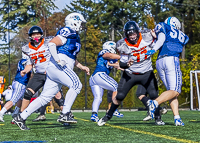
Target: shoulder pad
<point>146,35</point>
<point>122,46</point>
<point>49,38</point>
<point>66,32</point>
<point>25,48</point>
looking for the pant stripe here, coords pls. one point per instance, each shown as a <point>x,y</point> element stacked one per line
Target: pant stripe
<point>106,78</point>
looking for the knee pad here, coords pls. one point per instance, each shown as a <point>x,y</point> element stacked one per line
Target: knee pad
<point>28,94</point>
<point>109,96</point>
<point>153,95</point>
<point>60,101</point>
<point>120,96</point>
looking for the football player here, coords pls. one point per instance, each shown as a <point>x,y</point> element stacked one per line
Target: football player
<point>138,68</point>
<point>64,49</point>
<point>170,42</point>
<point>18,85</point>
<point>39,56</point>
<point>100,79</point>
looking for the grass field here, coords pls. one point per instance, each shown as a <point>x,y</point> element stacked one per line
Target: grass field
<point>131,128</point>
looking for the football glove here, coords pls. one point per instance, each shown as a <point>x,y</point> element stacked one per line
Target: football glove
<point>150,52</point>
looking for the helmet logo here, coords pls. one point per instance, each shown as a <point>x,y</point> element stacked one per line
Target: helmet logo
<point>35,31</point>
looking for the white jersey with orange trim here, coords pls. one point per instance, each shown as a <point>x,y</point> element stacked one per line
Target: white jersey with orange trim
<point>38,56</point>
<point>142,63</point>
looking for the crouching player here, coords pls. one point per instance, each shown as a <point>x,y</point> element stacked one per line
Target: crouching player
<point>100,79</point>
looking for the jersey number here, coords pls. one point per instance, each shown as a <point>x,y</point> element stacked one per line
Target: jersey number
<point>180,35</point>
<point>41,56</point>
<point>77,48</point>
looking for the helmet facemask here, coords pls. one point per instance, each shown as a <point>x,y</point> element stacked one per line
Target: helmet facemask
<point>135,38</point>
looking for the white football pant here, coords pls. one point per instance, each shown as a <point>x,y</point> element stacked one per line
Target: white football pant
<point>98,83</point>
<point>169,71</point>
<point>56,77</point>
<point>18,91</point>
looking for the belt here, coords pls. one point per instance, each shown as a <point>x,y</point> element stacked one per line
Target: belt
<point>137,73</point>
<point>160,57</point>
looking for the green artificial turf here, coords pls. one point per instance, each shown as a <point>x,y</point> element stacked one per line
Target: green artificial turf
<point>130,128</point>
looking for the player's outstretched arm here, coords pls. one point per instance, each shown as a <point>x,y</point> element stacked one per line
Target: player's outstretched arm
<point>116,65</point>
<point>111,56</point>
<point>56,41</point>
<point>160,41</point>
<point>27,69</point>
<point>84,68</point>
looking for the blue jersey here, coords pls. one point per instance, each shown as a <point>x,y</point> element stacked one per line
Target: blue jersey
<point>174,42</point>
<point>23,80</point>
<point>102,64</point>
<point>72,47</point>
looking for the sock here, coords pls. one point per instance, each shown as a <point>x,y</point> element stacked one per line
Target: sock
<point>69,100</point>
<point>112,110</point>
<point>144,101</point>
<point>16,110</point>
<point>33,106</point>
<point>177,117</point>
<point>94,112</point>
<point>156,103</point>
<point>3,110</point>
<point>43,109</point>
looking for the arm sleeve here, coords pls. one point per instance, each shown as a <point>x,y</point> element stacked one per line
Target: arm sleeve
<point>53,51</point>
<point>63,39</point>
<point>160,41</point>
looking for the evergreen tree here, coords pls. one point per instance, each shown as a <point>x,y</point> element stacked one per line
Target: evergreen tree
<point>18,13</point>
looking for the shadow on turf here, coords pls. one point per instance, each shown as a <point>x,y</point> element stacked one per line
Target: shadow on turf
<point>47,125</point>
<point>132,122</point>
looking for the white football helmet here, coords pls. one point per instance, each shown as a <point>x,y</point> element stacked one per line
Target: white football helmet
<point>110,46</point>
<point>174,22</point>
<point>74,20</point>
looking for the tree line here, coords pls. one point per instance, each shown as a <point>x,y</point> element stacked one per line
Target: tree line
<point>105,21</point>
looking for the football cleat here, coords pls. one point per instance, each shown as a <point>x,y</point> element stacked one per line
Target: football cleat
<point>40,118</point>
<point>159,122</point>
<point>152,108</point>
<point>60,117</point>
<point>20,122</point>
<point>163,111</point>
<point>66,118</point>
<point>15,112</point>
<point>148,117</point>
<point>94,118</point>
<point>103,120</point>
<point>1,118</point>
<point>179,122</point>
<point>70,114</point>
<point>117,114</point>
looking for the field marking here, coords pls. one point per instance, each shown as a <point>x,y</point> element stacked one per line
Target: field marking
<point>147,133</point>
